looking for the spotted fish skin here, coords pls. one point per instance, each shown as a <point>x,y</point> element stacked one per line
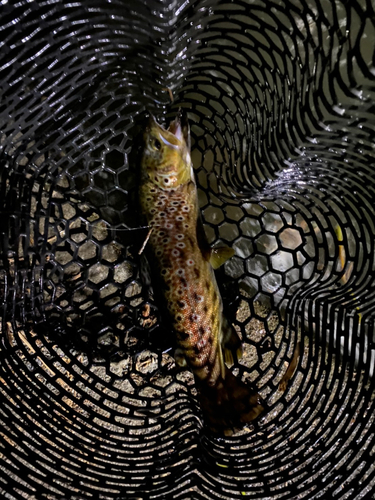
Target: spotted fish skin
<point>180,258</point>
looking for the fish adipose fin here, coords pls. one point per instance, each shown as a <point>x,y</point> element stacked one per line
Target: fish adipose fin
<point>229,404</point>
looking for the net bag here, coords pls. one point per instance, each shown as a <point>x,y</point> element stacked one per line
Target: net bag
<point>280,99</point>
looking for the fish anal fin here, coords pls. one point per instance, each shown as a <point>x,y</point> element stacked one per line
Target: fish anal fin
<point>230,342</point>
<point>228,357</point>
<point>222,365</point>
<point>220,255</point>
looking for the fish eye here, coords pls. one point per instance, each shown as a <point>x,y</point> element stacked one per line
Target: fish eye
<point>156,144</point>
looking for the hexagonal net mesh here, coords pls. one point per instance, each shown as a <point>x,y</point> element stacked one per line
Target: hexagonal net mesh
<point>279,96</point>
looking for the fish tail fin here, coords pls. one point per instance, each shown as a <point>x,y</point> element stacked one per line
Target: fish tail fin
<point>229,404</point>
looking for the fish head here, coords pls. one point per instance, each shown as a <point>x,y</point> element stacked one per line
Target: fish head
<point>166,159</point>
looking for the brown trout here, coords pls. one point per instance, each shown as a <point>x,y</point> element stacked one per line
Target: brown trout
<point>182,266</point>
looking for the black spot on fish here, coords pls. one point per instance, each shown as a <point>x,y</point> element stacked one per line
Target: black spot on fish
<point>181,304</point>
<point>196,297</point>
<point>197,273</point>
<point>201,331</point>
<point>183,335</point>
<point>196,349</point>
<point>205,309</point>
<point>183,282</point>
<point>207,285</point>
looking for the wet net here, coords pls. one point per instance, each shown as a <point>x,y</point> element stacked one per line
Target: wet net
<point>280,98</point>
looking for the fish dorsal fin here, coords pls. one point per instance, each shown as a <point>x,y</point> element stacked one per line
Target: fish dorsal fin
<point>230,342</point>
<point>220,255</point>
<point>216,256</point>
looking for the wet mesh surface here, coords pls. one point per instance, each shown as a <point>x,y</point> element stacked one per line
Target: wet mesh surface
<point>280,97</point>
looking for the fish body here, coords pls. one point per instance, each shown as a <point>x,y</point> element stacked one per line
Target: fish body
<point>182,264</point>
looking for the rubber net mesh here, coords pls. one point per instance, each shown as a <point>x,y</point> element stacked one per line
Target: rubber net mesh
<point>280,98</point>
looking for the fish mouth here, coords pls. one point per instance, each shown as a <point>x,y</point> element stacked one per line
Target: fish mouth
<point>178,132</point>
<point>178,125</point>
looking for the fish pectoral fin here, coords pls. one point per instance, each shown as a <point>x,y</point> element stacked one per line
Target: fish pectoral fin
<point>145,272</point>
<point>231,343</point>
<point>180,358</point>
<point>220,255</point>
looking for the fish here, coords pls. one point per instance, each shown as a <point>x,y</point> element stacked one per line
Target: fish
<point>182,267</point>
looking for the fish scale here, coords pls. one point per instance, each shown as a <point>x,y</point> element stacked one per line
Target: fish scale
<point>189,285</point>
<point>184,282</point>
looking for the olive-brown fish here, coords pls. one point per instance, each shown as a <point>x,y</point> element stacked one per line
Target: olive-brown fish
<point>182,266</point>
